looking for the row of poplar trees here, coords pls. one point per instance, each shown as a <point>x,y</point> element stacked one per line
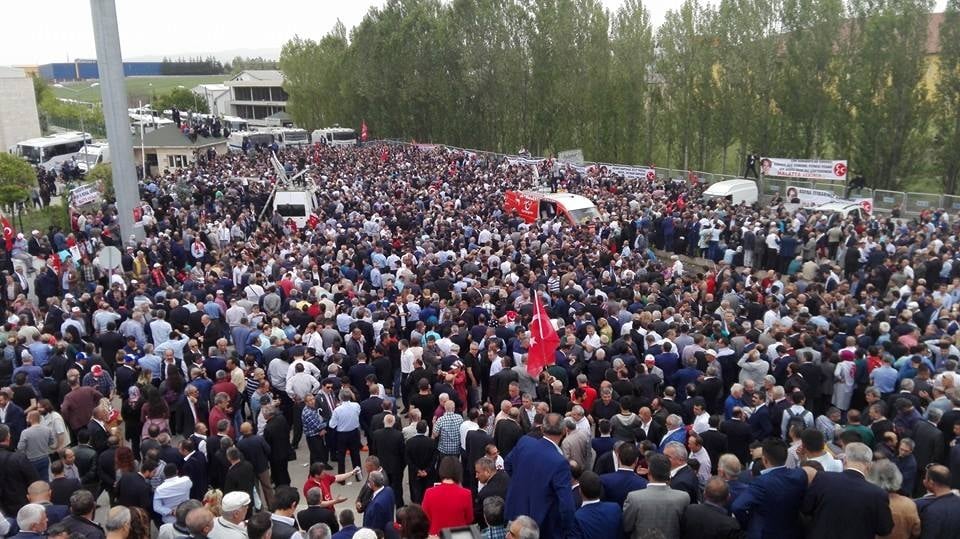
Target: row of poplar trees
<point>863,80</point>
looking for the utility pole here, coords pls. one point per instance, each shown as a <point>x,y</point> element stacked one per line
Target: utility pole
<point>113,92</point>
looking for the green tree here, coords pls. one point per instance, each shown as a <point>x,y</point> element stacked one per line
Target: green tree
<point>44,96</point>
<point>17,178</point>
<point>103,173</point>
<point>884,127</point>
<point>183,99</point>
<point>633,84</point>
<point>947,118</point>
<point>314,78</point>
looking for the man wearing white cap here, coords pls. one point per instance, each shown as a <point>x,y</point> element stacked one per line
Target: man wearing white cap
<point>231,525</point>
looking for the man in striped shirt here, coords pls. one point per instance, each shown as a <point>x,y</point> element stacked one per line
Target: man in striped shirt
<point>314,430</point>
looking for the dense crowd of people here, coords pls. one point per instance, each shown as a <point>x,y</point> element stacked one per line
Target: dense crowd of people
<point>797,378</point>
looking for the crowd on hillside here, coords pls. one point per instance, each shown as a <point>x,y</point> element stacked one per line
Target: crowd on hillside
<point>798,378</point>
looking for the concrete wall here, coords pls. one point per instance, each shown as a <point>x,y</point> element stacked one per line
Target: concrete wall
<point>18,108</point>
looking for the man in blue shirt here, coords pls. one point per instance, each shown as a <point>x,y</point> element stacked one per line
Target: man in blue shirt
<point>885,377</point>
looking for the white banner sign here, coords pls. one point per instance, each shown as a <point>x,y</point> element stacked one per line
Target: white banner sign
<point>804,168</point>
<point>627,172</point>
<point>808,197</point>
<point>85,194</point>
<point>571,156</point>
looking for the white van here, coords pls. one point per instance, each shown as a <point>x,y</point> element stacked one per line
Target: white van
<point>92,155</point>
<point>842,209</point>
<point>736,191</point>
<point>294,204</point>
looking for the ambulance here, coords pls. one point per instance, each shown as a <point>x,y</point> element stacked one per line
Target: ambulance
<point>532,206</point>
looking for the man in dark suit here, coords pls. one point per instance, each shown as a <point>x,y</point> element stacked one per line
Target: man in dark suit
<point>98,429</point>
<point>929,446</point>
<point>540,481</point>
<point>739,435</point>
<point>710,520</point>
<point>624,480</point>
<point>500,382</point>
<point>845,504</point>
<point>315,514</point>
<point>769,505</point>
<point>107,468</point>
<point>387,444</point>
<point>134,490</point>
<point>475,448</point>
<point>86,461</point>
<point>277,435</point>
<point>760,420</point>
<point>421,457</point>
<point>240,475</point>
<point>347,526</point>
<point>18,474</point>
<point>191,409</point>
<point>714,441</point>
<point>378,515</point>
<point>682,475</point>
<point>257,452</point>
<point>195,467</point>
<point>491,481</point>
<point>596,519</point>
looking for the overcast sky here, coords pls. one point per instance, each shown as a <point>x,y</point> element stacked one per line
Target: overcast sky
<point>44,31</point>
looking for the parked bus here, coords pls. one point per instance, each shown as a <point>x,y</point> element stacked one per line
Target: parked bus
<point>238,139</point>
<point>335,136</point>
<point>38,151</point>
<point>290,136</point>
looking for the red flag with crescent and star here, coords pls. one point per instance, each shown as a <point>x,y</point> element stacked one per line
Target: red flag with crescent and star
<point>543,339</point>
<point>8,232</point>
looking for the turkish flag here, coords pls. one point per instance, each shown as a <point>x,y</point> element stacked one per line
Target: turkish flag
<point>543,339</point>
<point>8,232</point>
<point>363,131</point>
<point>312,221</point>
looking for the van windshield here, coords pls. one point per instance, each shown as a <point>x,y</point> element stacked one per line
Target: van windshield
<point>583,216</point>
<point>292,210</point>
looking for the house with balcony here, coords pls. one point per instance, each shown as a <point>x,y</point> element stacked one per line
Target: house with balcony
<point>256,94</point>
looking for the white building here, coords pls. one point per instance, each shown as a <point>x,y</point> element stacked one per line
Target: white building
<point>256,94</point>
<point>18,108</point>
<point>217,97</point>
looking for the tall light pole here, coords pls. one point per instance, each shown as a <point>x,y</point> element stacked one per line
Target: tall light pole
<point>113,92</point>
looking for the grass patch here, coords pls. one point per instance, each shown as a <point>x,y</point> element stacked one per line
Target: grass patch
<point>138,88</point>
<point>42,219</point>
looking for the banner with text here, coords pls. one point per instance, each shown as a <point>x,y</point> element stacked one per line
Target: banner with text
<point>813,169</point>
<point>85,194</point>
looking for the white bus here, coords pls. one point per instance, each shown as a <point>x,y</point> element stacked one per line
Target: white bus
<point>252,138</point>
<point>234,123</point>
<point>37,151</point>
<point>290,136</point>
<point>335,136</point>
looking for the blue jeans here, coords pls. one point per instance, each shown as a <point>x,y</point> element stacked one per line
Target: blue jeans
<point>43,468</point>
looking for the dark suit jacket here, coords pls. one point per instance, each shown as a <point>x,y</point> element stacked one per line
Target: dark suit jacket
<point>61,489</point>
<point>18,473</point>
<point>379,513</point>
<point>715,442</point>
<point>617,484</point>
<point>86,460</point>
<point>499,384</point>
<point>277,435</point>
<point>506,435</point>
<point>599,520</point>
<point>388,446</point>
<point>496,486</point>
<point>686,480</point>
<point>98,436</point>
<point>929,448</point>
<point>540,486</point>
<point>768,507</point>
<point>316,514</point>
<point>240,477</point>
<point>107,468</point>
<point>17,421</point>
<point>84,527</point>
<point>133,490</point>
<point>739,436</point>
<point>421,454</point>
<point>708,521</point>
<point>256,451</point>
<point>845,504</point>
<point>196,468</point>
<point>185,423</point>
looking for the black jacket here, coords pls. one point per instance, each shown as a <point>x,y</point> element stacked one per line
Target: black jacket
<point>421,454</point>
<point>844,504</point>
<point>315,515</point>
<point>686,480</point>
<point>240,477</point>
<point>18,473</point>
<point>708,521</point>
<point>133,490</point>
<point>255,450</point>
<point>195,467</point>
<point>388,446</point>
<point>277,435</point>
<point>83,527</point>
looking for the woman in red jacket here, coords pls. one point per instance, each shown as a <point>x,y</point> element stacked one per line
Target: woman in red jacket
<point>447,504</point>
